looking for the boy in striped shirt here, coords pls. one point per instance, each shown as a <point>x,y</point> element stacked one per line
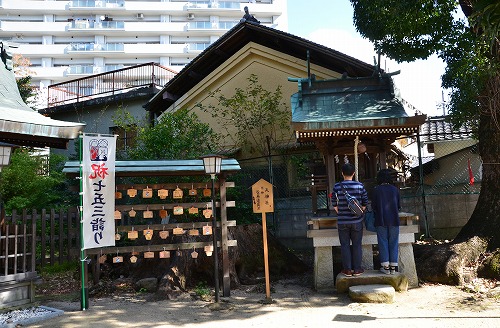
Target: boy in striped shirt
<point>350,225</point>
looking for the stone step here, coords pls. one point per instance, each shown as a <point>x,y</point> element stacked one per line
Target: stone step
<point>372,293</point>
<point>372,277</point>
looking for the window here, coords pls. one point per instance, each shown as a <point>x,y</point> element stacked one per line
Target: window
<point>126,136</point>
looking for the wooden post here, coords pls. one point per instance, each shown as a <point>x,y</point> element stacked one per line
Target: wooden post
<point>266,257</point>
<point>226,279</point>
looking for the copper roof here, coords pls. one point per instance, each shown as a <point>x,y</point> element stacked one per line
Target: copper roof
<point>23,126</point>
<point>350,107</point>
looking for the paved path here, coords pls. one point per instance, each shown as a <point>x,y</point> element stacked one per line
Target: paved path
<point>293,306</point>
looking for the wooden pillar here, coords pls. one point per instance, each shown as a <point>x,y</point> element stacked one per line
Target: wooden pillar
<point>326,148</point>
<point>226,279</point>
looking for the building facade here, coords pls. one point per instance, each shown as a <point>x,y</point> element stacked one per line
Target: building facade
<point>66,40</point>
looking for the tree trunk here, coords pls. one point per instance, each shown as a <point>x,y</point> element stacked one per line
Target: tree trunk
<point>485,220</point>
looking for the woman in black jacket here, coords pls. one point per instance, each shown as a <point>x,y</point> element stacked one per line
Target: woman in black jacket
<point>386,205</point>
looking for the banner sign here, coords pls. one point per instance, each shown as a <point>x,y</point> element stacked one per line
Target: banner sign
<point>98,191</point>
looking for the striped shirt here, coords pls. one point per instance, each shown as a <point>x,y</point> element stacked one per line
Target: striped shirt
<point>355,189</point>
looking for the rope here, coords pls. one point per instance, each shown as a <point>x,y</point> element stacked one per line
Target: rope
<point>356,142</point>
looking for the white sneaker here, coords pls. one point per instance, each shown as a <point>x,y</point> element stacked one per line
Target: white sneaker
<point>385,270</point>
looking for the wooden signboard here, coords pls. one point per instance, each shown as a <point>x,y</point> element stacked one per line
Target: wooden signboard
<point>262,197</point>
<point>262,200</point>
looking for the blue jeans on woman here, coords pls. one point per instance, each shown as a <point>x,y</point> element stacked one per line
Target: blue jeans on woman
<point>388,245</point>
<point>351,233</point>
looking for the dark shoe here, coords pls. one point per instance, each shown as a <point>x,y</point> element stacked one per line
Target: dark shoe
<point>358,272</point>
<point>385,270</point>
<point>347,273</point>
<point>393,269</point>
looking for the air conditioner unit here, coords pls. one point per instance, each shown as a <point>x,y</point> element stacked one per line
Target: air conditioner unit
<point>140,15</point>
<point>191,16</point>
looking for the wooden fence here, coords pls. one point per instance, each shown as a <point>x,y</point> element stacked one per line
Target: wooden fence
<point>57,234</point>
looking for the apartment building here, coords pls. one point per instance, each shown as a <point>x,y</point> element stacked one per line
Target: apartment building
<point>67,40</point>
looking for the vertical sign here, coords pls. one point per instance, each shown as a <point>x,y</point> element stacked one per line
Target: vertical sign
<point>262,200</point>
<point>98,191</point>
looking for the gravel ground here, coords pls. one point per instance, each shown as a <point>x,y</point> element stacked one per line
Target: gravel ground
<point>293,305</point>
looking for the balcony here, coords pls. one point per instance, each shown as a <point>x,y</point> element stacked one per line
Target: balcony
<point>196,47</point>
<point>84,24</point>
<point>210,26</point>
<point>212,6</point>
<point>107,84</point>
<point>93,47</point>
<point>80,70</point>
<point>86,4</point>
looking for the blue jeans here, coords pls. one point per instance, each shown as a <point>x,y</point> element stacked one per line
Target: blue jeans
<point>351,233</point>
<point>388,244</point>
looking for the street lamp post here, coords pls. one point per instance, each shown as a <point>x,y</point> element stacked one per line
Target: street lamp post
<point>212,164</point>
<point>5,151</point>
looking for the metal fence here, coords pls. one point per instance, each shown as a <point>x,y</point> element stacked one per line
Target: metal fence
<point>442,191</point>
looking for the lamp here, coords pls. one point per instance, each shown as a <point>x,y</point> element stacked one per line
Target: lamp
<point>5,152</point>
<point>212,164</point>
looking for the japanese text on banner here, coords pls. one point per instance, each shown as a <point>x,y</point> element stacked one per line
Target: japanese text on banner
<point>98,191</point>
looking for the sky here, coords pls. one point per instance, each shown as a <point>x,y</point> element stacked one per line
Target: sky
<point>329,22</point>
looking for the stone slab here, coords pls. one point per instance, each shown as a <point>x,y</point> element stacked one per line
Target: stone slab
<point>372,277</point>
<point>372,293</point>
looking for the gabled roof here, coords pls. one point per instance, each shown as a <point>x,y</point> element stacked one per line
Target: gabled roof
<point>235,39</point>
<point>21,125</point>
<point>350,106</point>
<point>438,128</point>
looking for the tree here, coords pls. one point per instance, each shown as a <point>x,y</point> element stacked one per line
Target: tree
<point>254,118</point>
<point>407,30</point>
<point>26,90</point>
<point>35,181</point>
<point>177,135</point>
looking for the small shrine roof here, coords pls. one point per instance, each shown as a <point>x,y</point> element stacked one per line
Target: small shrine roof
<point>350,107</point>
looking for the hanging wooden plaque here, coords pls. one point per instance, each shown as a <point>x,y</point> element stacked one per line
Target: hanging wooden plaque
<point>132,213</point>
<point>208,250</point>
<point>147,214</point>
<point>147,193</point>
<point>178,210</point>
<point>133,234</point>
<point>162,193</point>
<point>194,232</point>
<point>193,210</point>
<point>177,194</point>
<point>148,233</point>
<point>207,230</point>
<point>149,255</point>
<point>163,213</point>
<point>118,259</point>
<point>178,231</point>
<point>163,234</point>
<point>164,254</point>
<point>192,191</point>
<point>133,259</point>
<point>118,195</point>
<point>207,192</point>
<point>132,192</point>
<point>102,259</point>
<point>118,236</point>
<point>207,213</point>
<point>194,254</point>
<point>117,215</point>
